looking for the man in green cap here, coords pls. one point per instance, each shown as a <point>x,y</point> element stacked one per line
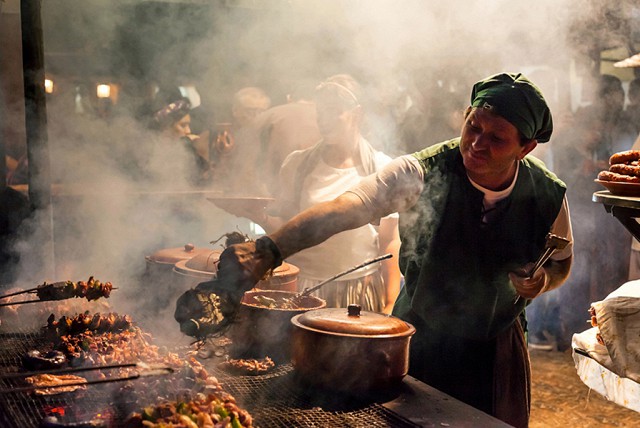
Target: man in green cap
<point>475,212</point>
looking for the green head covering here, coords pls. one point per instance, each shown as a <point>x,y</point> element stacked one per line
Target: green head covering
<point>518,100</point>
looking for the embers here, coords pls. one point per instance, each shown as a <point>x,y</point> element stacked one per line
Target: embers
<point>75,416</point>
<point>54,410</point>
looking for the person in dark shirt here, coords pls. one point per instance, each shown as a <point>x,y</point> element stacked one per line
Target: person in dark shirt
<point>474,215</point>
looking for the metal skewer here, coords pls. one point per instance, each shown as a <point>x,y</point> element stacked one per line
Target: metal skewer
<point>31,290</point>
<point>22,302</point>
<point>140,365</point>
<point>153,372</point>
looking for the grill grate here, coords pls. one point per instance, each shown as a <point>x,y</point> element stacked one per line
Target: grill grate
<point>276,399</point>
<point>280,400</point>
<point>28,410</point>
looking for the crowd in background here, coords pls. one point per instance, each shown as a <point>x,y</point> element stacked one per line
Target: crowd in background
<point>241,150</point>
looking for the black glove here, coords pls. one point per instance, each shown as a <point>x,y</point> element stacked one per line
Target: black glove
<point>241,266</point>
<point>207,309</point>
<point>212,305</point>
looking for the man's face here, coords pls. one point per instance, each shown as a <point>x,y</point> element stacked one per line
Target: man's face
<point>614,100</point>
<point>490,147</point>
<point>335,117</point>
<point>245,115</point>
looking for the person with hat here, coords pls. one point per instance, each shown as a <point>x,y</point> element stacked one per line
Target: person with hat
<point>173,143</point>
<point>474,215</point>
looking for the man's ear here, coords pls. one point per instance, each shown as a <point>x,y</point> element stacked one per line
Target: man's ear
<point>527,148</point>
<point>358,113</point>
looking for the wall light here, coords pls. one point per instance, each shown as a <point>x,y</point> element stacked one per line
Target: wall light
<point>48,86</point>
<point>103,91</point>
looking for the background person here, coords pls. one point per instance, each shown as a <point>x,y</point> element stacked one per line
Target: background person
<point>237,144</point>
<point>320,173</point>
<point>475,214</point>
<point>632,110</point>
<point>284,129</point>
<point>174,144</point>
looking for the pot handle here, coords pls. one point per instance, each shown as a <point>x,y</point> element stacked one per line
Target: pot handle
<point>353,310</point>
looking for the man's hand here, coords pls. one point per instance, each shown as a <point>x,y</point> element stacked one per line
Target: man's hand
<point>243,265</point>
<point>224,142</point>
<point>529,287</point>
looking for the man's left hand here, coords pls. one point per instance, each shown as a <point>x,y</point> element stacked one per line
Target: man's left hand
<point>529,287</point>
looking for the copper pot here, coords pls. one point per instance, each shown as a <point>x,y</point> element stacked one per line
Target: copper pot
<point>284,278</point>
<point>159,266</point>
<point>260,331</point>
<point>349,350</point>
<point>204,266</point>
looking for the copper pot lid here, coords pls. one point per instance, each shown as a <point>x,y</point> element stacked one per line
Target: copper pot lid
<point>352,321</point>
<point>174,255</point>
<point>206,261</point>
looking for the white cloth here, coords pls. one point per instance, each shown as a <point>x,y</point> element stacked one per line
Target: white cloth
<point>613,369</point>
<point>346,249</point>
<point>618,318</point>
<point>598,377</point>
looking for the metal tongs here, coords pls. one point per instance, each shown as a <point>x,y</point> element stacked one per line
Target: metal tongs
<point>144,371</point>
<point>553,244</point>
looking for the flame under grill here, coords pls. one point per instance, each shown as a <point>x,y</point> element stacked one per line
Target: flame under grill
<point>274,400</point>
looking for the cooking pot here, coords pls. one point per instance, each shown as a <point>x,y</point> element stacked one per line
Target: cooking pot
<point>260,331</point>
<point>157,274</point>
<point>349,350</point>
<point>204,266</point>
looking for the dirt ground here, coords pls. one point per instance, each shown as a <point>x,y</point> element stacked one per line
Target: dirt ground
<point>560,399</point>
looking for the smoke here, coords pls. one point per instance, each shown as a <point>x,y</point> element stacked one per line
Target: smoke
<point>107,214</point>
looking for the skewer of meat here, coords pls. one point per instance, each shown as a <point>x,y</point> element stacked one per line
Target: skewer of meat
<point>92,289</point>
<point>99,323</point>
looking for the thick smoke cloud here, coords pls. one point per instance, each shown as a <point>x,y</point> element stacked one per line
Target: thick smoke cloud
<point>105,221</point>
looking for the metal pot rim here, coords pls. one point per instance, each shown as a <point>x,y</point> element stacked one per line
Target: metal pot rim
<point>320,302</point>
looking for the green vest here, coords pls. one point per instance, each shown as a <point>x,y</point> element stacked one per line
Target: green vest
<point>455,267</point>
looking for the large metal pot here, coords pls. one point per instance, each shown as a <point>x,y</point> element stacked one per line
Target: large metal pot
<point>201,268</point>
<point>204,266</point>
<point>158,275</point>
<point>349,350</point>
<point>260,331</point>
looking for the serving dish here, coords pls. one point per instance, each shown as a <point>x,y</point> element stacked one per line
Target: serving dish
<point>621,188</point>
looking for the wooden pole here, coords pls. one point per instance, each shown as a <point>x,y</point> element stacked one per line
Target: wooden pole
<point>36,131</point>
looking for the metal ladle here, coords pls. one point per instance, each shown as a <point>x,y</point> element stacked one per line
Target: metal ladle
<point>310,290</point>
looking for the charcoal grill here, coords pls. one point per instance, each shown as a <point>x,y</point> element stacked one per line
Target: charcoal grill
<point>274,400</point>
<point>278,399</point>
